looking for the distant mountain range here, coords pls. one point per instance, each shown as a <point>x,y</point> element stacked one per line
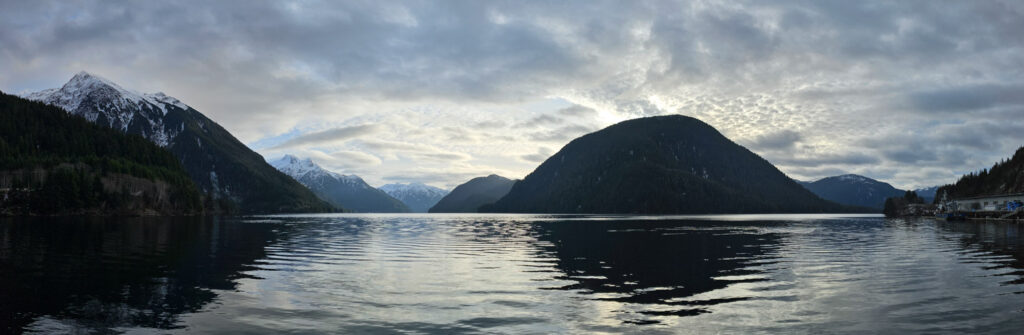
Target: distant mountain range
<point>927,193</point>
<point>221,166</point>
<point>659,165</point>
<point>857,190</point>
<point>853,190</point>
<point>470,196</point>
<point>418,197</point>
<point>54,163</point>
<point>343,191</point>
<point>665,164</point>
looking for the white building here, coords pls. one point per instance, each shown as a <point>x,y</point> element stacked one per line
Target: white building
<point>989,203</point>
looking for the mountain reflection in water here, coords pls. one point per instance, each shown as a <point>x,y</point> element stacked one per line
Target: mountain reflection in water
<point>470,274</point>
<point>103,273</point>
<point>657,262</point>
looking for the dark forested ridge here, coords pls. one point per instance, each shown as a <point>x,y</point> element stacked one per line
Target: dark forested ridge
<point>220,165</point>
<point>1004,177</point>
<point>664,164</point>
<point>52,163</point>
<point>470,196</point>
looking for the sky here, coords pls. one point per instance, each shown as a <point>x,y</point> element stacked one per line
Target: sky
<point>914,93</point>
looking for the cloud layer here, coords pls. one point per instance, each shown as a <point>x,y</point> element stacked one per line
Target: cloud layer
<point>909,92</point>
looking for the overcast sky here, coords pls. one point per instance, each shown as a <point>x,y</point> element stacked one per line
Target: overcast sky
<point>911,93</point>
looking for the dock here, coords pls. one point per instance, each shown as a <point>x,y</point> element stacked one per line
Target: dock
<point>1001,207</point>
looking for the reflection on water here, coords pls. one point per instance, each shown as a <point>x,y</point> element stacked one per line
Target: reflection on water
<point>105,273</point>
<point>999,242</point>
<point>510,274</point>
<point>657,262</point>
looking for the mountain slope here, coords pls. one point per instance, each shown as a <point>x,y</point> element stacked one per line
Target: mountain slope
<point>344,191</point>
<point>471,195</point>
<point>216,161</point>
<point>664,164</point>
<point>53,163</point>
<point>1003,178</point>
<point>927,193</point>
<point>418,196</point>
<point>853,190</point>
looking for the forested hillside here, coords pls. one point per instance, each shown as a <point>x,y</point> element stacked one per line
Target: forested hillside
<point>663,165</point>
<point>470,196</point>
<point>1004,177</point>
<point>853,190</point>
<point>220,165</point>
<point>52,162</point>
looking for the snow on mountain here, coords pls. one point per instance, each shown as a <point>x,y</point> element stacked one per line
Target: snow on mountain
<point>215,160</point>
<point>306,169</point>
<point>411,189</point>
<point>928,193</point>
<point>102,101</point>
<point>168,100</point>
<point>854,190</point>
<point>852,178</point>
<point>345,191</point>
<point>295,167</point>
<point>418,196</point>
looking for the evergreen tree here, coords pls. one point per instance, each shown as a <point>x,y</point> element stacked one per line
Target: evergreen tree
<point>75,156</point>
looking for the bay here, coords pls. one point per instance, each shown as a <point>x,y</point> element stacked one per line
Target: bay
<point>541,274</point>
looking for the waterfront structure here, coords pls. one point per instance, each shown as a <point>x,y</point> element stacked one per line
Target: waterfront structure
<point>991,203</point>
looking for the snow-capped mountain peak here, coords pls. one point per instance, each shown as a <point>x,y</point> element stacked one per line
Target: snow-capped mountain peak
<point>418,196</point>
<point>84,84</point>
<point>103,101</point>
<point>415,187</point>
<point>295,167</point>
<point>305,168</point>
<point>166,99</point>
<point>854,190</point>
<point>345,191</point>
<point>855,178</point>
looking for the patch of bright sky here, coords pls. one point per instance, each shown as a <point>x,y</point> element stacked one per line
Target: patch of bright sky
<point>439,144</point>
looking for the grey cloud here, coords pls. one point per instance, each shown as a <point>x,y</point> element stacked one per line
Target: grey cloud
<point>459,134</point>
<point>355,158</point>
<point>845,159</point>
<point>563,134</point>
<point>968,98</point>
<point>328,136</point>
<point>542,154</point>
<point>393,146</point>
<point>442,156</point>
<point>419,50</point>
<point>837,69</point>
<point>496,137</point>
<point>784,139</point>
<point>540,120</point>
<point>578,111</point>
<point>490,124</point>
<point>965,146</point>
<point>908,155</point>
<point>419,151</point>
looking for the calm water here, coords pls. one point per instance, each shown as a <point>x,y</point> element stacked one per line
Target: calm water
<point>510,274</point>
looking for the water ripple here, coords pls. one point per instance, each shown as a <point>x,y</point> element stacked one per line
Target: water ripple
<point>513,274</point>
